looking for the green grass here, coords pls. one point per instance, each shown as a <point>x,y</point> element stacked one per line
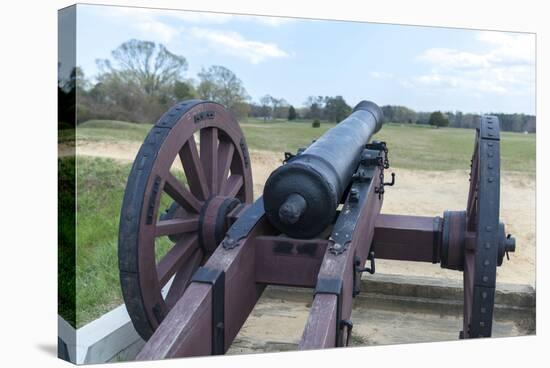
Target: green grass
<point>66,287</point>
<point>100,187</point>
<point>411,146</point>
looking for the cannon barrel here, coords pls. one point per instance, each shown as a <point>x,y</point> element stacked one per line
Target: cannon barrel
<point>301,197</point>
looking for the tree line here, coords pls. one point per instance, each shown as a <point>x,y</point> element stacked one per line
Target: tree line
<point>458,119</point>
<point>143,79</point>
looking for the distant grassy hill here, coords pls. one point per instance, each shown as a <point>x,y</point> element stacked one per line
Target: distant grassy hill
<point>411,146</point>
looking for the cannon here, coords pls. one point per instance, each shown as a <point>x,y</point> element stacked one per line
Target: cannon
<point>196,251</point>
<point>301,197</point>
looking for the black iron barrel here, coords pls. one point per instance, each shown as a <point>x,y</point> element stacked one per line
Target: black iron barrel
<point>301,197</point>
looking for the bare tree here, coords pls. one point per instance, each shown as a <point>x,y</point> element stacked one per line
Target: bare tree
<point>144,64</point>
<point>265,102</point>
<point>219,84</point>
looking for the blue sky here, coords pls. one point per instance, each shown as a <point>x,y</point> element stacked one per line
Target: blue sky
<point>425,68</point>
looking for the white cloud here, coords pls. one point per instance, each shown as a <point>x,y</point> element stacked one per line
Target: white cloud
<point>505,67</point>
<point>235,44</point>
<point>162,31</point>
<point>454,59</point>
<point>510,49</point>
<point>144,20</point>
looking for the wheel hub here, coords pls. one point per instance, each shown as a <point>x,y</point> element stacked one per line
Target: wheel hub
<point>213,222</point>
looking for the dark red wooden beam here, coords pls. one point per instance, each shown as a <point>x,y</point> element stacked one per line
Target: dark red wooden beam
<point>286,261</point>
<point>407,238</point>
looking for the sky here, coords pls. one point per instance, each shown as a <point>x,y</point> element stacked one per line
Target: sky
<point>424,68</point>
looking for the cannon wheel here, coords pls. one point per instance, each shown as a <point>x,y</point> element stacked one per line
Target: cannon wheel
<point>481,254</point>
<point>216,174</point>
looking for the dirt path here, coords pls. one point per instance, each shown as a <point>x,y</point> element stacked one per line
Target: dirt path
<point>426,193</point>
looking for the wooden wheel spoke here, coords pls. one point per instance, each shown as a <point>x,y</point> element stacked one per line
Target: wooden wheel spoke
<point>183,278</point>
<point>176,226</point>
<point>175,258</point>
<point>209,157</point>
<point>194,171</point>
<point>233,185</point>
<point>180,194</point>
<point>225,153</point>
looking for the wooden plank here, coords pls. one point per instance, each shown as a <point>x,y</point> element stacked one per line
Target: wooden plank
<point>320,331</point>
<point>287,261</point>
<point>406,238</point>
<point>186,329</point>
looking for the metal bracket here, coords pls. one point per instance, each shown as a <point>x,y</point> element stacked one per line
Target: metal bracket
<point>346,221</point>
<point>216,278</point>
<point>244,224</point>
<point>289,155</point>
<point>333,286</point>
<point>204,115</point>
<point>357,271</point>
<point>349,324</point>
<point>382,147</point>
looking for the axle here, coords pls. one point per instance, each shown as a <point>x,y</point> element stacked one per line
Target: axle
<point>301,196</point>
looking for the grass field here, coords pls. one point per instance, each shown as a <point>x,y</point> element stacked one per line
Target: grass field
<point>101,183</point>
<point>100,188</point>
<point>411,146</point>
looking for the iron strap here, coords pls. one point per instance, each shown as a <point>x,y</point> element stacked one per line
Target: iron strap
<point>216,278</point>
<point>486,256</point>
<point>244,224</point>
<point>347,220</point>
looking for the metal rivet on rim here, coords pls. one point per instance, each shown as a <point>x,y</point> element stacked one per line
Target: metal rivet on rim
<point>490,144</point>
<point>488,228</point>
<point>482,324</point>
<point>487,245</point>
<point>485,279</point>
<point>484,295</point>
<point>483,310</point>
<point>490,179</point>
<point>486,263</point>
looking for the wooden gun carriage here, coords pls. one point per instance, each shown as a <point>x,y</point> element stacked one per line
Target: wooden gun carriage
<point>318,225</point>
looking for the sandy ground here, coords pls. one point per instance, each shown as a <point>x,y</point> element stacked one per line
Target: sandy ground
<point>416,192</point>
<point>277,322</point>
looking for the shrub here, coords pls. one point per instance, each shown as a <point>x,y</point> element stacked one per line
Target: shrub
<point>437,119</point>
<point>316,123</point>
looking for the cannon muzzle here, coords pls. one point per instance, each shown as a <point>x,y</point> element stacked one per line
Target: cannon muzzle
<point>301,197</point>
